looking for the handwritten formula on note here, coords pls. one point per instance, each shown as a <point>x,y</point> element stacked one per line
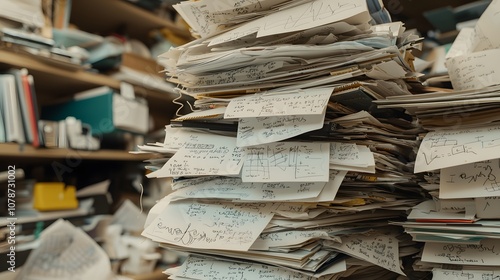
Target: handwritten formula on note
<point>315,13</point>
<point>446,274</point>
<point>486,253</point>
<point>217,225</point>
<point>301,102</point>
<point>447,148</point>
<point>287,162</point>
<point>207,268</point>
<point>382,250</point>
<point>475,70</point>
<point>478,179</point>
<point>262,130</point>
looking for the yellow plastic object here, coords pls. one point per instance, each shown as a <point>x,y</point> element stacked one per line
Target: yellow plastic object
<point>51,196</point>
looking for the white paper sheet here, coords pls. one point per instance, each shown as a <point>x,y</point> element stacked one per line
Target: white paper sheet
<point>287,162</point>
<point>488,207</point>
<point>234,188</point>
<point>486,253</point>
<point>440,149</point>
<point>448,274</point>
<point>382,250</point>
<point>305,16</point>
<point>216,225</point>
<point>64,252</point>
<point>479,179</point>
<point>207,268</point>
<point>474,70</point>
<point>263,130</point>
<point>204,154</point>
<point>300,102</point>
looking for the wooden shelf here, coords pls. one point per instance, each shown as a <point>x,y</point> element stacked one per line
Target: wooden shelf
<point>12,150</point>
<point>109,16</point>
<point>55,80</point>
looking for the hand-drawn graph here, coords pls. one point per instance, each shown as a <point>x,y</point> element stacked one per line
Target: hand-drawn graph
<point>456,147</point>
<point>287,162</point>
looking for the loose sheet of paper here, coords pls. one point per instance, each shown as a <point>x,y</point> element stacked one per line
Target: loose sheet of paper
<point>262,130</point>
<point>486,253</point>
<point>216,225</point>
<point>488,207</point>
<point>440,149</point>
<point>478,179</point>
<point>234,188</point>
<point>447,274</point>
<point>301,17</point>
<point>487,28</point>
<point>204,154</point>
<point>207,268</point>
<point>287,162</point>
<point>349,154</point>
<point>474,70</point>
<point>382,250</point>
<point>64,252</point>
<point>300,102</point>
<point>129,216</point>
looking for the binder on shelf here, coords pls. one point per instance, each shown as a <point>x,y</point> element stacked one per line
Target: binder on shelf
<point>105,110</point>
<point>14,131</point>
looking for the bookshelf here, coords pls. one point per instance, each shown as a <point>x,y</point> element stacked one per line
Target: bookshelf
<point>57,80</point>
<point>12,150</point>
<point>110,15</point>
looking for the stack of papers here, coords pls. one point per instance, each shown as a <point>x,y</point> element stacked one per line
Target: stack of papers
<point>460,159</point>
<point>287,168</point>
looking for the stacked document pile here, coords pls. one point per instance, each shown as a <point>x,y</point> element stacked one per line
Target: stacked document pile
<point>460,157</point>
<point>287,169</point>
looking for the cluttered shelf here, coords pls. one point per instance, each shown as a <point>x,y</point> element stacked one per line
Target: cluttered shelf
<point>135,21</point>
<point>12,150</point>
<point>70,79</point>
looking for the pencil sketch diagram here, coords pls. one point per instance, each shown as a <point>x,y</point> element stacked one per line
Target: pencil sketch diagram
<point>316,11</point>
<point>284,161</point>
<point>454,146</point>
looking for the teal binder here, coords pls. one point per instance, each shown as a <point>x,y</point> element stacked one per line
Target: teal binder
<point>104,110</point>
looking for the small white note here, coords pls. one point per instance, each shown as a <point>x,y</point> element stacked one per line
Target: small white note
<point>262,130</point>
<point>488,207</point>
<point>478,179</point>
<point>287,162</point>
<point>300,102</point>
<point>216,225</point>
<point>447,148</point>
<point>382,250</point>
<point>486,253</point>
<point>447,274</point>
<point>474,70</point>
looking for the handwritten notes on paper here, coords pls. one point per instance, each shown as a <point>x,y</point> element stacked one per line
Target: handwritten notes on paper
<point>266,118</point>
<point>382,250</point>
<point>486,253</point>
<point>301,17</point>
<point>256,131</point>
<point>234,188</point>
<point>349,156</point>
<point>478,179</point>
<point>309,102</point>
<point>204,154</point>
<point>447,148</point>
<point>475,70</point>
<point>218,225</point>
<point>287,162</point>
<point>207,268</point>
<point>475,65</point>
<point>447,274</point>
